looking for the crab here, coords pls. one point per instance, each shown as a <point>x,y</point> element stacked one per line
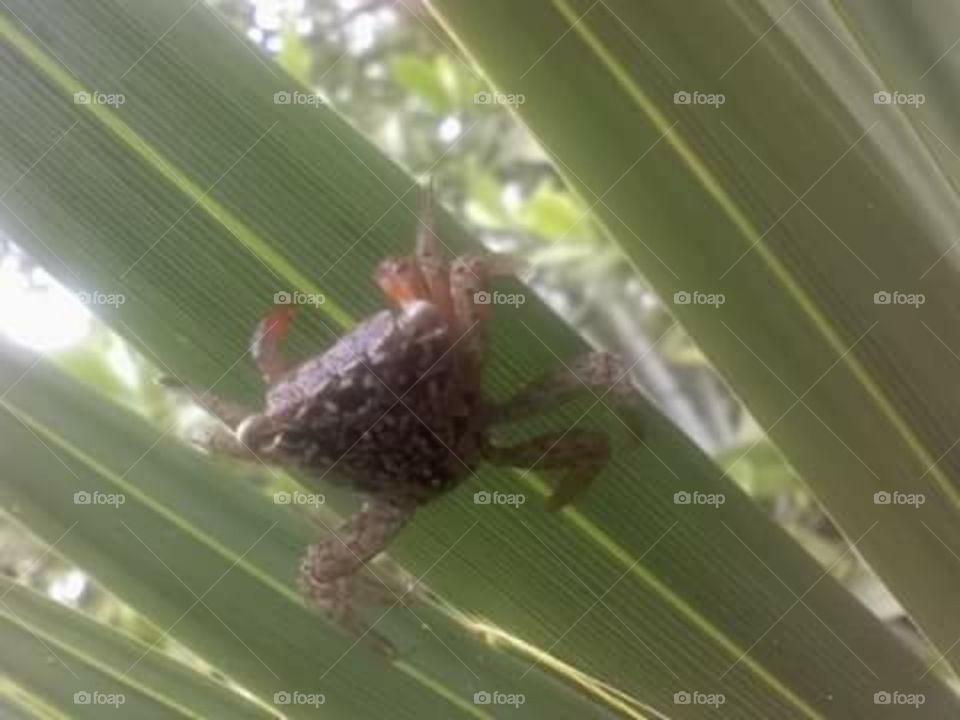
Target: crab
<point>395,408</point>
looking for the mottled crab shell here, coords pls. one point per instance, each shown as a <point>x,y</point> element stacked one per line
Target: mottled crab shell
<point>376,405</point>
<point>388,343</point>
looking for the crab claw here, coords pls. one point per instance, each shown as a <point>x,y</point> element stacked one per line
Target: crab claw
<point>400,280</point>
<point>265,347</point>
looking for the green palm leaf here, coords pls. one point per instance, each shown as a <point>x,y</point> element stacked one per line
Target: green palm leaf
<point>800,199</point>
<point>60,664</point>
<point>197,200</point>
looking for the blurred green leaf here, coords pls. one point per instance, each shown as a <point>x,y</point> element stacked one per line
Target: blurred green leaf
<point>554,214</point>
<point>295,57</point>
<point>422,79</point>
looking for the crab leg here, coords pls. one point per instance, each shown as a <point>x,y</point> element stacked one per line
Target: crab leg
<point>327,571</point>
<point>338,598</point>
<point>573,458</point>
<point>468,294</point>
<point>603,374</point>
<point>355,542</point>
<point>429,255</point>
<point>425,274</point>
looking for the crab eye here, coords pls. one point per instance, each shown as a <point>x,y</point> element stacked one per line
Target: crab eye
<point>255,431</point>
